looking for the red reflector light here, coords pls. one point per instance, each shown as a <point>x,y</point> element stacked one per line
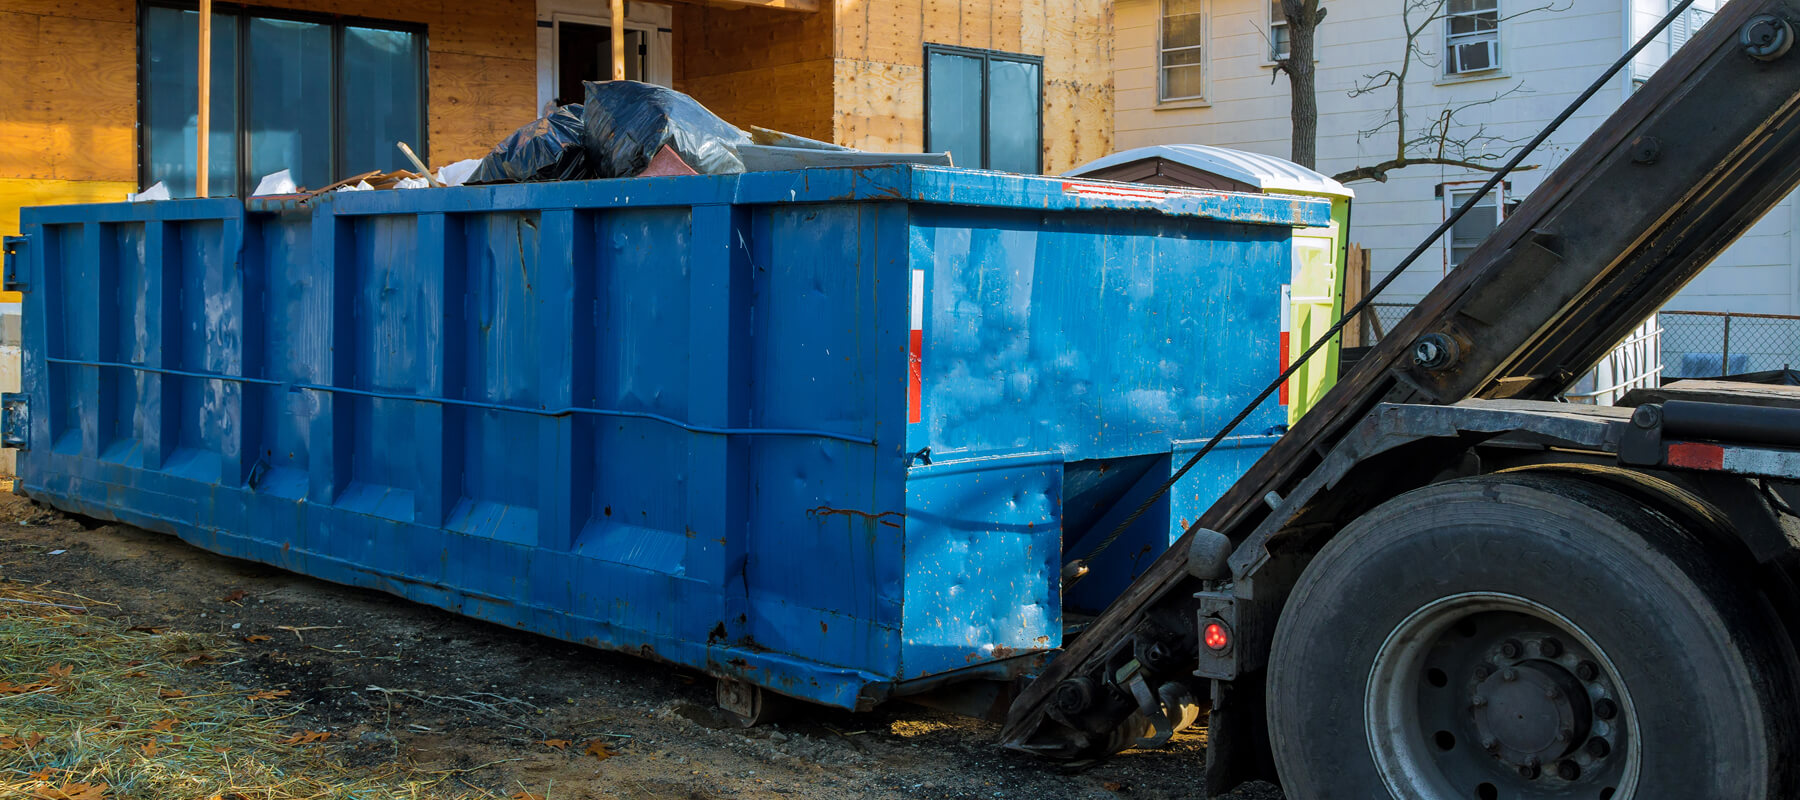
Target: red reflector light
<point>1217,636</point>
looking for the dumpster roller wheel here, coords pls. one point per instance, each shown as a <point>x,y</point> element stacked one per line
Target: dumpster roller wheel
<point>747,704</point>
<point>1527,637</point>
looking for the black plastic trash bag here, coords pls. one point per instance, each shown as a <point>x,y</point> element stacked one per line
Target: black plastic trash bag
<point>627,122</point>
<point>549,149</point>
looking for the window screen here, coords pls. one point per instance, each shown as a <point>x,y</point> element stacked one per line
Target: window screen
<point>985,108</point>
<point>323,98</point>
<point>1474,227</point>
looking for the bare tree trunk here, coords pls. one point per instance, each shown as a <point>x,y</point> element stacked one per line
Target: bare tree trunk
<point>1303,21</point>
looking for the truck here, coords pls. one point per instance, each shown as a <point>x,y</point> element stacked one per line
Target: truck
<point>1443,583</point>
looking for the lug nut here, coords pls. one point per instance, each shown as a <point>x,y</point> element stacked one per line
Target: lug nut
<point>1598,748</point>
<point>1587,671</point>
<point>1509,674</point>
<point>1478,701</point>
<point>1565,734</point>
<point>1490,743</point>
<point>1511,648</point>
<point>1568,770</point>
<point>1552,693</point>
<point>1551,648</point>
<point>1529,770</point>
<point>1482,672</point>
<point>1605,708</point>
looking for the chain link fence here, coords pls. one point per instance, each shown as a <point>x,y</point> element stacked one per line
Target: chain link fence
<point>1706,344</point>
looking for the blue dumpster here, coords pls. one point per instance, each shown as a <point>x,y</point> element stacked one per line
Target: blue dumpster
<point>832,432</point>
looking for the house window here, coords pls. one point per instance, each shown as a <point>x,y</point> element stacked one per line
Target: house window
<point>1182,61</point>
<point>985,108</point>
<point>1473,228</point>
<point>1686,25</point>
<point>1278,32</point>
<point>322,97</point>
<point>1471,36</point>
<point>584,53</point>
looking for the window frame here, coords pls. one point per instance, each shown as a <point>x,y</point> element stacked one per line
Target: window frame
<point>1452,196</point>
<point>986,56</point>
<point>557,18</point>
<point>1452,39</point>
<point>1278,19</point>
<point>244,13</point>
<point>1162,52</point>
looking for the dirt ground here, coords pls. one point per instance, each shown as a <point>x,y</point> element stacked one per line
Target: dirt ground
<point>395,682</point>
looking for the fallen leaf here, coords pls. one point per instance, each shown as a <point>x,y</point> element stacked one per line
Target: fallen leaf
<point>236,595</point>
<point>151,629</point>
<point>1114,786</point>
<point>307,737</point>
<point>74,791</point>
<point>137,674</point>
<point>43,774</point>
<point>7,687</point>
<point>199,658</point>
<point>269,695</point>
<point>597,749</point>
<point>164,725</point>
<point>556,744</point>
<point>256,637</point>
<point>170,694</point>
<point>151,748</point>
<point>61,672</point>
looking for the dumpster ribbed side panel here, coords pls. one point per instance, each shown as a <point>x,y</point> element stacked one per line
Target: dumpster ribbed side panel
<point>664,416</point>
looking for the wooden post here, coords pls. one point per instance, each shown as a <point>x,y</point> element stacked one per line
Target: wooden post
<point>205,118</point>
<point>618,39</point>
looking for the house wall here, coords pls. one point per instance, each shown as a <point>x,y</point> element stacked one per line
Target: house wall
<point>1551,55</point>
<point>880,67</point>
<point>757,66</point>
<point>68,88</point>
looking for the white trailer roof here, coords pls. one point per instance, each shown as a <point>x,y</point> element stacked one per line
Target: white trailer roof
<point>1267,173</point>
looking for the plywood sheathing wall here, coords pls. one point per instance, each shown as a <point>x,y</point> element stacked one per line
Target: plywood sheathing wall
<point>68,79</point>
<point>758,66</point>
<point>880,67</point>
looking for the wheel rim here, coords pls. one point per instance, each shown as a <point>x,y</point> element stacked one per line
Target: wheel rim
<point>1485,696</point>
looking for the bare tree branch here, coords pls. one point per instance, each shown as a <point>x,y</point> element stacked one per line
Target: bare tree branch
<point>1448,137</point>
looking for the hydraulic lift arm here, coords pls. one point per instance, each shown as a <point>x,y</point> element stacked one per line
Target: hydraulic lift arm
<point>1681,170</point>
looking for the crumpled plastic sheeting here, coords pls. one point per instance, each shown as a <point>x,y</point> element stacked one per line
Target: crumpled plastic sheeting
<point>627,122</point>
<point>549,149</point>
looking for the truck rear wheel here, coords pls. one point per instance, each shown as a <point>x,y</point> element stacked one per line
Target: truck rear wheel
<point>1523,637</point>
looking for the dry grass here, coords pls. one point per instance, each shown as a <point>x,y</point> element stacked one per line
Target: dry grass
<point>90,710</point>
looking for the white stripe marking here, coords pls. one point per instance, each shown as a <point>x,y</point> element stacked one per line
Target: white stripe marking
<point>918,299</point>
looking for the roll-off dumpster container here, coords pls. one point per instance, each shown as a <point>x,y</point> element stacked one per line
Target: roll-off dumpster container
<point>830,431</point>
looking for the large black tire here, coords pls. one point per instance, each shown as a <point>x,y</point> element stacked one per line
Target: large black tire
<point>1689,646</point>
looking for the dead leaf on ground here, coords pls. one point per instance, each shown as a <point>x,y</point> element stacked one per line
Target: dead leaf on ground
<point>199,658</point>
<point>137,674</point>
<point>151,748</point>
<point>7,687</point>
<point>236,595</point>
<point>150,629</point>
<point>1114,786</point>
<point>17,742</point>
<point>170,694</point>
<point>74,791</point>
<point>256,637</point>
<point>556,744</point>
<point>60,672</point>
<point>307,737</point>
<point>43,774</point>
<point>597,749</point>
<point>269,694</point>
<point>164,725</point>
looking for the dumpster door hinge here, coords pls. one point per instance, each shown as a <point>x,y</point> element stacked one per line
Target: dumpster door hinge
<point>11,279</point>
<point>15,420</point>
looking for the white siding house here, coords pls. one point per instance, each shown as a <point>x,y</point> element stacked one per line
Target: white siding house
<point>1200,71</point>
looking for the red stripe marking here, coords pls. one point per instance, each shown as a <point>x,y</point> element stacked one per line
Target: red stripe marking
<point>1284,365</point>
<point>915,353</point>
<point>1696,456</point>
